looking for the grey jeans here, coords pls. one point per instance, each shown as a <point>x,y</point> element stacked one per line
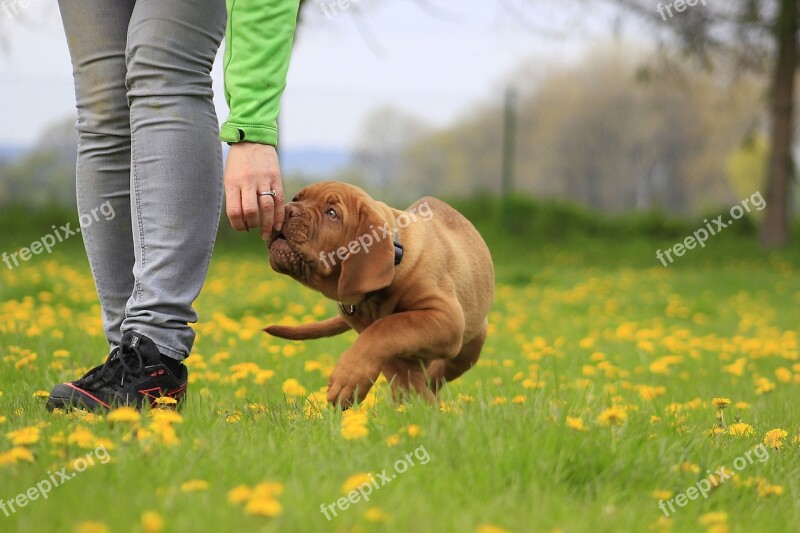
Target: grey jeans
<point>147,143</point>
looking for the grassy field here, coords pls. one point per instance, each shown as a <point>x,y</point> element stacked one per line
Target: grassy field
<point>593,399</point>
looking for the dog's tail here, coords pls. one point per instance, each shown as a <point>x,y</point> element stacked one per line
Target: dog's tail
<point>316,330</point>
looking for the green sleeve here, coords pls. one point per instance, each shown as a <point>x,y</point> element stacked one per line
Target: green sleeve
<point>258,44</point>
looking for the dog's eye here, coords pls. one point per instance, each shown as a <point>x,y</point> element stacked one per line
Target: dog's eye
<point>331,212</point>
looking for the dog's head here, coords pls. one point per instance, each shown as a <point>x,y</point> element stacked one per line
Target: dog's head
<point>335,239</point>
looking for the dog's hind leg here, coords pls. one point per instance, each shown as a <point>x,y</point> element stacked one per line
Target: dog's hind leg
<point>406,377</point>
<point>441,371</point>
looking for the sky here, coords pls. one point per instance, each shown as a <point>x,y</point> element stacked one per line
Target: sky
<point>435,60</point>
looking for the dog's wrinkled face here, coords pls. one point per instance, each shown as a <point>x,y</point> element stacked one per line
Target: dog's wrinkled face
<point>314,245</point>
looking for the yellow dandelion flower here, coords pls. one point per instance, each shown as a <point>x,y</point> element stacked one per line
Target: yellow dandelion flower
<point>41,394</point>
<point>166,416</point>
<point>774,438</point>
<point>413,430</point>
<point>239,494</point>
<point>3,419</point>
<point>268,489</point>
<point>499,400</point>
<point>152,522</point>
<point>518,399</point>
<point>713,518</point>
<point>720,403</point>
<point>765,490</point>
<point>393,440</point>
<point>61,353</point>
<point>355,481</point>
<point>490,528</point>
<point>688,466</point>
<point>292,387</point>
<point>269,507</point>
<point>353,432</point>
<point>763,386</point>
<point>655,420</point>
<point>647,392</point>
<point>354,424</point>
<point>784,375</point>
<point>742,405</point>
<point>262,376</point>
<point>311,366</point>
<point>166,401</point>
<point>373,514</point>
<point>25,436</point>
<point>740,429</point>
<point>91,527</point>
<point>124,414</point>
<point>576,423</point>
<point>194,485</point>
<point>167,433</point>
<point>661,494</point>
<point>289,350</point>
<point>613,416</point>
<point>82,437</point>
<point>15,455</point>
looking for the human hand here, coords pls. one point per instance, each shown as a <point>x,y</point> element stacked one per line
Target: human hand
<point>254,168</point>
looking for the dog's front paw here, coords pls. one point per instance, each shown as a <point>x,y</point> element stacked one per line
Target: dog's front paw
<point>350,381</point>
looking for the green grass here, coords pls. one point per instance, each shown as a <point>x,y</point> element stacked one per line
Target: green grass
<point>570,287</point>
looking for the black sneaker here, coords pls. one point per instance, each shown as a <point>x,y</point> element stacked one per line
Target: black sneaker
<point>132,374</point>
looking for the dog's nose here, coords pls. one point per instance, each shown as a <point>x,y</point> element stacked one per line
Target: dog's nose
<point>293,210</point>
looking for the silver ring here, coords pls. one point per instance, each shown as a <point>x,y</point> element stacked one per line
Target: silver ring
<point>268,193</point>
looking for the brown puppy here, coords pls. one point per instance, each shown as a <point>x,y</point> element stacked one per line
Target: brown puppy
<point>420,307</point>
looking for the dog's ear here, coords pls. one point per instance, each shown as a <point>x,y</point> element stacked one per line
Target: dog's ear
<point>369,266</point>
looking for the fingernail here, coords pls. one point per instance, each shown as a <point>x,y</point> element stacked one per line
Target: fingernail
<point>279,226</point>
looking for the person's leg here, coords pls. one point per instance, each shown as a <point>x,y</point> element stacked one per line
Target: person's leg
<point>176,171</point>
<point>96,33</point>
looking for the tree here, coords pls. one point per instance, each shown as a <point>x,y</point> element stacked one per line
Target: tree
<point>603,133</point>
<point>747,34</point>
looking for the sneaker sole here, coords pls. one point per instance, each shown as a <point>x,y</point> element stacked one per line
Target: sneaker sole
<point>67,396</point>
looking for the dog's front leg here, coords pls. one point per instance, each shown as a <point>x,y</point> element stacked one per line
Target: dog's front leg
<point>423,335</point>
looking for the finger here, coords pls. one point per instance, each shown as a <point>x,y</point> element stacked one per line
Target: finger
<point>280,206</point>
<point>250,207</point>
<point>233,208</point>
<point>266,205</point>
